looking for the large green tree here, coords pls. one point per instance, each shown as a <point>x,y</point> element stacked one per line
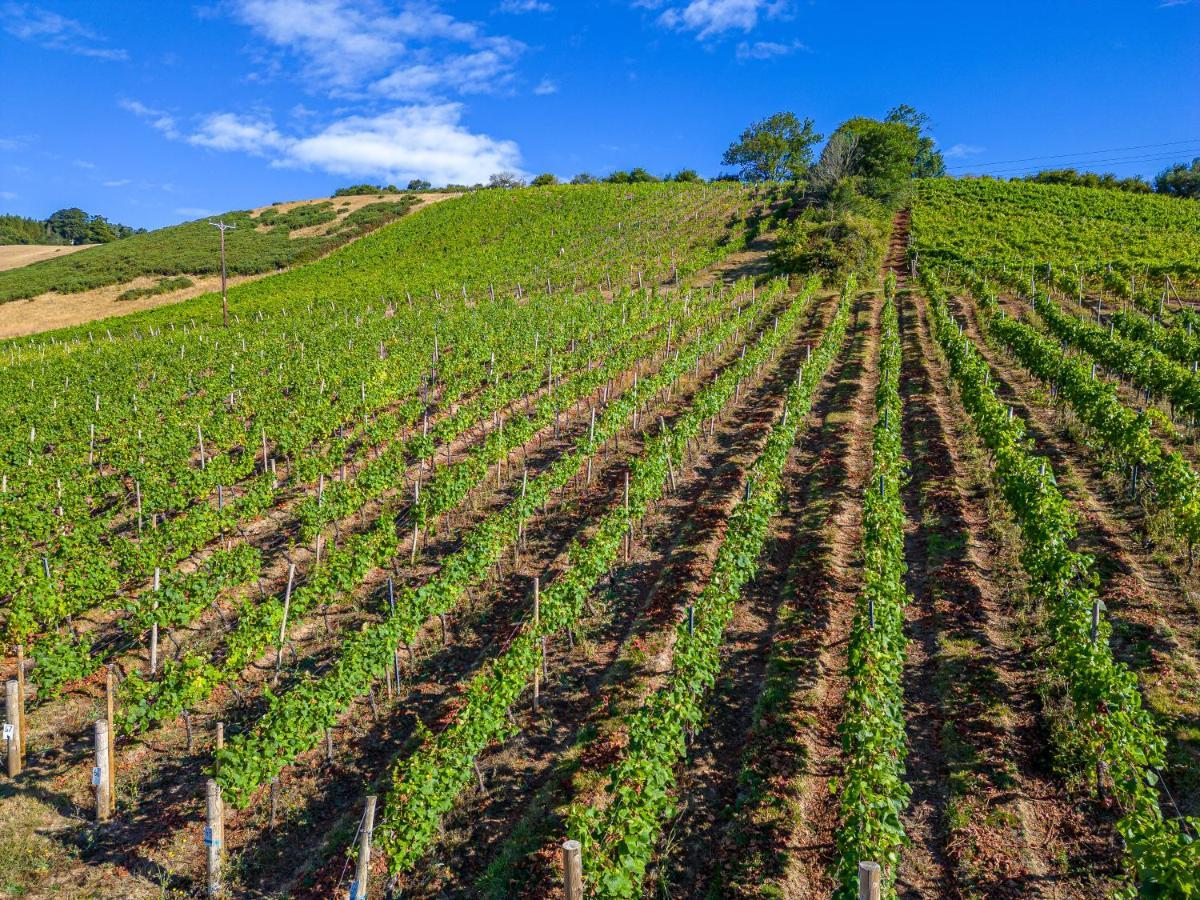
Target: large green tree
<point>777,148</point>
<point>1181,180</point>
<point>887,154</point>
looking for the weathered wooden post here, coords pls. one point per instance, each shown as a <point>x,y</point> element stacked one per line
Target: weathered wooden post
<point>21,697</point>
<point>214,834</point>
<point>362,871</point>
<point>100,773</point>
<point>287,602</point>
<point>154,625</point>
<point>572,862</point>
<point>868,881</point>
<point>112,740</point>
<point>537,618</point>
<point>12,726</point>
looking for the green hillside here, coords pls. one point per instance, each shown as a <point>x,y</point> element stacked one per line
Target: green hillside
<point>259,244</point>
<point>496,238</point>
<point>1018,224</point>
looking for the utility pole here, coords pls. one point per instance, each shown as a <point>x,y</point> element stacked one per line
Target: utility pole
<point>222,227</point>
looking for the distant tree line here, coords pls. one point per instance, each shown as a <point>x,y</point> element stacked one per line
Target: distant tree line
<point>1105,181</point>
<point>1180,180</point>
<point>66,226</point>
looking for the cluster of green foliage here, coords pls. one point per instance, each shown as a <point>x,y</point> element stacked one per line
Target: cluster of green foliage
<point>847,235</point>
<point>193,249</point>
<point>373,215</point>
<point>66,226</point>
<point>1081,231</point>
<point>306,215</point>
<point>879,157</point>
<point>357,190</point>
<point>1180,180</point>
<point>164,286</point>
<point>1107,181</point>
<point>778,148</point>
<point>20,230</point>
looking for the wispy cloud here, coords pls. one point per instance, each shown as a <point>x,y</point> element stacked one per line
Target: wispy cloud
<point>760,50</point>
<point>483,71</point>
<point>524,6</point>
<point>55,32</point>
<point>158,119</point>
<point>11,143</point>
<point>962,151</point>
<point>195,212</point>
<point>709,18</point>
<point>8,195</point>
<point>255,135</point>
<point>116,183</point>
<point>546,87</point>
<point>83,164</point>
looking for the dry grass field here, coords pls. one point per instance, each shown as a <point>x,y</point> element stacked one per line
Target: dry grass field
<point>53,310</point>
<point>13,256</point>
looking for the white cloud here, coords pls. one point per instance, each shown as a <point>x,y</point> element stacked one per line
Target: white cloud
<point>119,182</point>
<point>8,195</point>
<point>481,72</point>
<point>524,6</point>
<point>158,119</point>
<point>408,142</point>
<point>766,50</point>
<point>417,141</point>
<point>54,32</point>
<point>248,134</point>
<point>404,54</point>
<point>546,87</point>
<point>961,151</point>
<point>83,164</point>
<point>712,17</point>
<point>194,212</point>
<point>11,143</point>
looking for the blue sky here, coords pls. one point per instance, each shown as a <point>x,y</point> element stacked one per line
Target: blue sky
<point>152,113</point>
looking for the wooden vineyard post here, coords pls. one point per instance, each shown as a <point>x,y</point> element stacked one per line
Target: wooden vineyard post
<point>537,617</point>
<point>572,862</point>
<point>629,526</point>
<point>154,627</point>
<point>12,727</point>
<point>214,834</point>
<point>112,740</point>
<point>220,746</point>
<point>362,872</point>
<point>868,881</point>
<point>100,773</point>
<point>287,602</point>
<point>21,697</point>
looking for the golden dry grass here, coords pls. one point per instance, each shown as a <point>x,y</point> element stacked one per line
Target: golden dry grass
<point>13,256</point>
<point>46,312</point>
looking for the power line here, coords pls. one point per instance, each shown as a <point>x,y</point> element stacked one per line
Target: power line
<point>1005,162</point>
<point>1168,157</point>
